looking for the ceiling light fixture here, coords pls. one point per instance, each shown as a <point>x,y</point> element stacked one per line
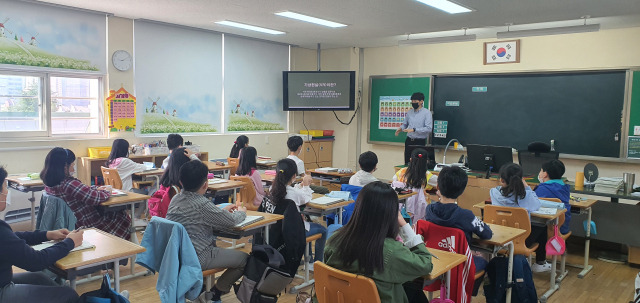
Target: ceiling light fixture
<point>550,31</point>
<point>310,19</point>
<point>250,27</point>
<point>447,6</point>
<point>434,40</point>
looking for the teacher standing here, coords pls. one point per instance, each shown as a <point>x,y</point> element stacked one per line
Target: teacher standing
<point>417,124</point>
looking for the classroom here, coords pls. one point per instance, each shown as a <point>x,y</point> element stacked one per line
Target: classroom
<point>85,76</point>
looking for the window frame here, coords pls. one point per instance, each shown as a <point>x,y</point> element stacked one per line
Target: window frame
<point>46,116</point>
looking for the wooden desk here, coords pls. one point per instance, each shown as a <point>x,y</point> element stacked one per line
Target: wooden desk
<point>267,178</point>
<point>334,177</point>
<point>554,283</point>
<point>20,183</point>
<point>109,249</point>
<point>88,167</point>
<point>266,163</point>
<point>151,174</point>
<point>131,199</point>
<point>237,233</point>
<point>232,185</point>
<point>404,197</point>
<point>226,169</point>
<point>502,237</point>
<point>323,210</point>
<point>442,265</point>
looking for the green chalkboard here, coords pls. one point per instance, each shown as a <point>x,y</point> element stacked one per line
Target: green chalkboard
<point>581,111</point>
<point>634,118</point>
<point>391,95</point>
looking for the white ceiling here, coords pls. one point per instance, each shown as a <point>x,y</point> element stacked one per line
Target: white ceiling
<point>371,23</point>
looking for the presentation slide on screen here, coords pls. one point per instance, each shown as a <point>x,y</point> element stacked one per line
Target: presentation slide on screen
<point>319,90</point>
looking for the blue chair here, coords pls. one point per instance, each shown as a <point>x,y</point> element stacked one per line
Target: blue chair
<point>348,210</point>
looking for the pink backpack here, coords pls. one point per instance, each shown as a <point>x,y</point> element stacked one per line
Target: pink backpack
<point>443,292</point>
<point>159,201</point>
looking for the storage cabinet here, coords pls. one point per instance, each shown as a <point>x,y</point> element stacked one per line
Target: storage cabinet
<point>317,153</point>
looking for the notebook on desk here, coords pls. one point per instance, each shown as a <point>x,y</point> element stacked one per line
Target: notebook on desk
<point>546,211</point>
<point>326,200</point>
<point>217,181</point>
<point>149,166</point>
<point>117,193</point>
<point>83,246</point>
<point>249,220</point>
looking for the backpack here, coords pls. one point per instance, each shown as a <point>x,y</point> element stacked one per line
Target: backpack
<point>524,291</point>
<point>103,295</point>
<point>264,276</point>
<point>159,201</point>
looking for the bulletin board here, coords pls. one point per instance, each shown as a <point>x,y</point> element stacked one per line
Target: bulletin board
<point>389,101</point>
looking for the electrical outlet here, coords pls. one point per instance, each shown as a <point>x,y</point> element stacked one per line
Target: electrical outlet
<point>636,130</point>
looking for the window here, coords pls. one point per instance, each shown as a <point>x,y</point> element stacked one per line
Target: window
<point>45,105</point>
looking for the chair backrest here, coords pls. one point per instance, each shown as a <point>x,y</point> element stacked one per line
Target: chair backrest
<point>513,217</point>
<point>233,162</point>
<point>531,161</point>
<point>247,193</point>
<point>336,286</point>
<point>111,177</point>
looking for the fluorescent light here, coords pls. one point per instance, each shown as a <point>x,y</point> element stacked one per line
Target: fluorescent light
<point>447,39</point>
<point>447,6</point>
<point>549,31</point>
<point>310,19</point>
<point>250,27</point>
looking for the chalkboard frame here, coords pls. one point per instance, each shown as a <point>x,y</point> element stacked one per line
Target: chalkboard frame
<point>626,110</point>
<point>428,103</point>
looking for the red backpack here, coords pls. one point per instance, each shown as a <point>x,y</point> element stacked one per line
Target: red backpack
<point>159,201</point>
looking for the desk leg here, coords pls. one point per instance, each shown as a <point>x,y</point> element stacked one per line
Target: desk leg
<point>235,196</point>
<point>448,285</point>
<point>116,274</point>
<point>266,234</point>
<point>340,215</point>
<point>227,173</point>
<point>33,210</point>
<point>553,285</point>
<point>134,238</point>
<point>72,283</point>
<point>510,272</point>
<point>587,241</point>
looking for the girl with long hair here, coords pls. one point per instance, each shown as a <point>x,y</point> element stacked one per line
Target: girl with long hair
<point>367,246</point>
<point>248,167</point>
<point>83,200</point>
<point>119,159</point>
<point>419,179</point>
<point>241,142</point>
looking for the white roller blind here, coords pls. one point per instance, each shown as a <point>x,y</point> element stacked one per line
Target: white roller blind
<point>44,36</point>
<point>178,79</point>
<point>253,85</point>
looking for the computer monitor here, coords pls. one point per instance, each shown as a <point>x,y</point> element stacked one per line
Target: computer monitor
<point>531,162</point>
<point>487,157</point>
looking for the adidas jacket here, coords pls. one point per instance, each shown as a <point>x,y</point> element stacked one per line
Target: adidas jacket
<point>453,240</point>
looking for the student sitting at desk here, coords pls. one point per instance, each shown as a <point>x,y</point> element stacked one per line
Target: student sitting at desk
<point>288,234</point>
<point>169,183</point>
<point>118,159</point>
<point>248,167</point>
<point>83,200</point>
<point>32,286</point>
<point>175,141</point>
<point>368,163</point>
<point>452,181</point>
<point>367,246</point>
<point>201,219</point>
<point>241,142</point>
<point>552,186</point>
<point>417,177</point>
<point>514,192</point>
<point>301,194</point>
<point>294,143</point>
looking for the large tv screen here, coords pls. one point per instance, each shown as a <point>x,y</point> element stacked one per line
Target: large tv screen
<point>319,90</point>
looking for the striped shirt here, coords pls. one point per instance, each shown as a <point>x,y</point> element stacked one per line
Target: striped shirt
<point>200,217</point>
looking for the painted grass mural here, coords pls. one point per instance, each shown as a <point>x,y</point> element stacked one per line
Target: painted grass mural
<point>16,52</point>
<point>241,122</point>
<point>157,123</point>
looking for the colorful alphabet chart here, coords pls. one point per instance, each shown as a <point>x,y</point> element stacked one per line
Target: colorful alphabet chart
<point>393,109</point>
